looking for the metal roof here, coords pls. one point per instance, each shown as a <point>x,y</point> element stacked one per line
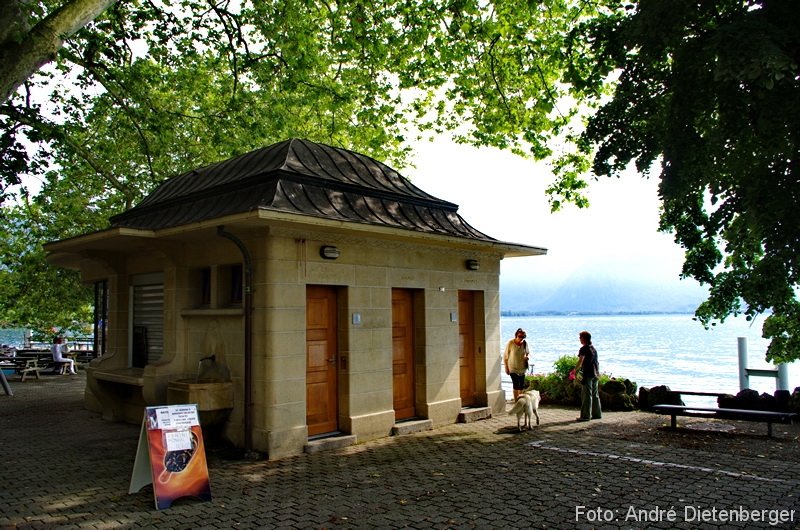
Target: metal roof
<point>300,177</point>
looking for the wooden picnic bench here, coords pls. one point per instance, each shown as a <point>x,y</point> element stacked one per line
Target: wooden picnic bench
<point>45,360</point>
<point>13,363</point>
<point>690,393</point>
<point>765,416</point>
<point>24,367</point>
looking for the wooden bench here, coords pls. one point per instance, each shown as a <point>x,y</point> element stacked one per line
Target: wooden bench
<point>764,416</point>
<point>688,393</point>
<point>31,366</point>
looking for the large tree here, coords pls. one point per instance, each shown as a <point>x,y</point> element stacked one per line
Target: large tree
<point>148,90</point>
<point>710,91</point>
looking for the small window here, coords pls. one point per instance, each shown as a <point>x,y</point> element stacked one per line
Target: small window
<point>205,286</point>
<point>217,286</point>
<point>236,284</point>
<point>230,285</point>
<point>100,317</point>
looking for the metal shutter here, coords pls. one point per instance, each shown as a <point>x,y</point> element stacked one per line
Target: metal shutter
<point>148,324</point>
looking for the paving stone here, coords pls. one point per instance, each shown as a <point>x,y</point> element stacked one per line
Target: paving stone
<point>64,467</point>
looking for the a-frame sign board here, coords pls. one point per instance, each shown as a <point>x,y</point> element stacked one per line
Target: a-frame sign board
<point>171,455</point>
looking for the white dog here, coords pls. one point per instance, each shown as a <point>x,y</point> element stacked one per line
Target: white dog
<point>527,404</point>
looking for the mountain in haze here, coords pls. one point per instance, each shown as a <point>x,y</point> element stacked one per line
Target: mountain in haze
<point>601,292</point>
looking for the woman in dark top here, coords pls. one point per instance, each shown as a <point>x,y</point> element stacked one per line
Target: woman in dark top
<point>590,394</point>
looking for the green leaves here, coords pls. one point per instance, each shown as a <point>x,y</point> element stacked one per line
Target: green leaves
<point>707,92</point>
<point>34,294</point>
<point>710,92</point>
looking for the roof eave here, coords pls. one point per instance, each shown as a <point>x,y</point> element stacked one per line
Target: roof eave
<point>506,249</point>
<point>69,252</point>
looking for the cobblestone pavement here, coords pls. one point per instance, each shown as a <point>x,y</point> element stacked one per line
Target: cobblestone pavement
<point>64,467</point>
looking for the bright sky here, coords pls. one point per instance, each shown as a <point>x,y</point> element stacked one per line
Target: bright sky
<point>503,196</point>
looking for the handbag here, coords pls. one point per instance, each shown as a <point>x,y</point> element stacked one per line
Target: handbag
<point>525,344</point>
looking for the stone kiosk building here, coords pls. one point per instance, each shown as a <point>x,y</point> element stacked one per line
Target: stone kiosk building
<point>308,292</point>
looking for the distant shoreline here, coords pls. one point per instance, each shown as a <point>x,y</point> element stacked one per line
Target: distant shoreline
<point>511,313</point>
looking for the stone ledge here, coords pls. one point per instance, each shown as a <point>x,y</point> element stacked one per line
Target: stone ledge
<point>125,376</point>
<point>410,427</point>
<point>326,444</point>
<point>469,415</point>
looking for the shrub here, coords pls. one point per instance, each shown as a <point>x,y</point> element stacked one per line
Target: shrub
<point>553,388</point>
<point>564,365</point>
<point>556,387</point>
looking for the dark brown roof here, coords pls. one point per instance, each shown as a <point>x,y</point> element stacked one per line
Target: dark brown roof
<point>300,177</point>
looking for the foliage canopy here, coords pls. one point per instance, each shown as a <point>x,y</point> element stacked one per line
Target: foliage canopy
<point>140,91</point>
<point>711,92</point>
<point>148,90</point>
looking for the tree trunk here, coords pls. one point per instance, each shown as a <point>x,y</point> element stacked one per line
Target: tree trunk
<point>23,50</point>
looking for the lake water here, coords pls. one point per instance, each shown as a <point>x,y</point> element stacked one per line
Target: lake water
<point>651,350</point>
<point>12,337</point>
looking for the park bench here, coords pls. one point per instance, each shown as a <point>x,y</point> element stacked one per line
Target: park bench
<point>764,416</point>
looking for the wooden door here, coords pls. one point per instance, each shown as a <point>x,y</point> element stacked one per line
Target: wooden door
<point>466,346</point>
<point>403,353</point>
<point>321,355</point>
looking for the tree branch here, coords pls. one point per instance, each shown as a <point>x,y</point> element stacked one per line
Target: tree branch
<point>121,101</point>
<point>23,52</point>
<point>53,132</point>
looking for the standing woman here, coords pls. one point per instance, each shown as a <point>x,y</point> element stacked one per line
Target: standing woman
<point>590,394</point>
<point>515,359</point>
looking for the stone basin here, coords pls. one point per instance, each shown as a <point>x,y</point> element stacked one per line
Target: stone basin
<point>214,400</point>
<point>207,393</point>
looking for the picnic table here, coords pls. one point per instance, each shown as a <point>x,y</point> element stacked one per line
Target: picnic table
<point>22,366</point>
<point>44,360</point>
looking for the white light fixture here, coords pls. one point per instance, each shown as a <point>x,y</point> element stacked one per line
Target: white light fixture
<point>473,264</point>
<point>329,252</point>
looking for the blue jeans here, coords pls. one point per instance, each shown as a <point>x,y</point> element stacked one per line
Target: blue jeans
<point>590,400</point>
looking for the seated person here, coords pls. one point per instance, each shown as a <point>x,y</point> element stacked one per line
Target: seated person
<point>59,349</point>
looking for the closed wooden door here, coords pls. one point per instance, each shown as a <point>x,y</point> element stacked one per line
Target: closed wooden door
<point>466,346</point>
<point>321,360</point>
<point>403,353</point>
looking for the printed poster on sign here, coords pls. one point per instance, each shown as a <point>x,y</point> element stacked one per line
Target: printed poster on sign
<point>171,455</point>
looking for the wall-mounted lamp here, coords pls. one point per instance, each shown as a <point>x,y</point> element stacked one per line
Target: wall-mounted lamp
<point>329,252</point>
<point>473,264</point>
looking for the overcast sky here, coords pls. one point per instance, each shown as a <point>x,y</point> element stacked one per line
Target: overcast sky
<point>503,196</point>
